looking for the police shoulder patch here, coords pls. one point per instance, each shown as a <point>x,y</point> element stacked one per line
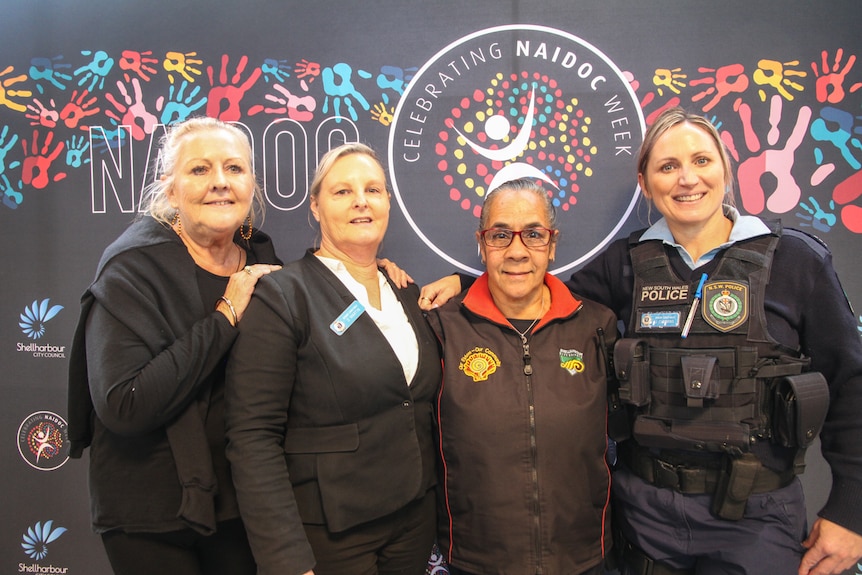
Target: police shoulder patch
<point>725,304</point>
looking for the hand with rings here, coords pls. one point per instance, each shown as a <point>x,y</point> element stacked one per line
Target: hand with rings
<point>238,292</point>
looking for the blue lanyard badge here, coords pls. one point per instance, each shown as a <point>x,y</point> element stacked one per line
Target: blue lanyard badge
<point>347,317</point>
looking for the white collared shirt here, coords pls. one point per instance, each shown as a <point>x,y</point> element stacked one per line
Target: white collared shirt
<point>391,319</point>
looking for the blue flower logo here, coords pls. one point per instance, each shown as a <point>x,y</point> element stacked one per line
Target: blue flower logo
<point>35,316</point>
<point>36,539</point>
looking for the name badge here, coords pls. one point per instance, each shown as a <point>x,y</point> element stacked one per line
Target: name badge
<point>343,322</point>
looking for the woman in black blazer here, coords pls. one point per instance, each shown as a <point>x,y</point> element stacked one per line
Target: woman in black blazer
<point>329,397</point>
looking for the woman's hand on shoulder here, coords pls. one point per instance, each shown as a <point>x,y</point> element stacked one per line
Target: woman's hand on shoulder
<point>239,289</point>
<point>439,292</point>
<point>398,276</point>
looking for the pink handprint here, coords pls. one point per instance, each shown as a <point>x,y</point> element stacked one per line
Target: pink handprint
<point>223,101</point>
<point>287,103</point>
<point>78,108</point>
<point>829,87</point>
<point>139,63</point>
<point>37,162</point>
<point>778,161</point>
<point>134,112</point>
<point>40,115</point>
<point>728,79</point>
<point>6,92</point>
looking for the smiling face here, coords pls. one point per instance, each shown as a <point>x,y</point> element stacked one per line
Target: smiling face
<point>352,206</point>
<point>516,273</point>
<point>212,186</point>
<point>684,177</point>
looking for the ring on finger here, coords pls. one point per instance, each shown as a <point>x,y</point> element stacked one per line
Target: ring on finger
<point>247,269</point>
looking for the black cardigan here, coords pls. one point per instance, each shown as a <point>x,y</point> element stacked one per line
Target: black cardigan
<point>150,460</point>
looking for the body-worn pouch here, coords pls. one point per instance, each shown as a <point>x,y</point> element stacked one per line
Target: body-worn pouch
<point>631,363</point>
<point>799,408</point>
<point>735,485</point>
<point>697,376</point>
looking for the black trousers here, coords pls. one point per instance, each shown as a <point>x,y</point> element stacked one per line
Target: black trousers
<point>184,552</point>
<point>397,544</point>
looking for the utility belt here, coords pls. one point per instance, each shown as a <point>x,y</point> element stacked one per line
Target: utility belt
<point>730,480</point>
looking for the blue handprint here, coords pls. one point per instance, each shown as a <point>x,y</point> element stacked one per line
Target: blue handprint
<point>104,140</point>
<point>96,71</point>
<point>395,78</point>
<point>279,69</point>
<point>843,136</point>
<point>178,106</point>
<point>12,197</point>
<point>4,149</point>
<point>49,69</point>
<point>341,89</point>
<point>75,149</point>
<point>817,218</point>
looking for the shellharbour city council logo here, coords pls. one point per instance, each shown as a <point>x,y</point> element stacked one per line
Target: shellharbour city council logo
<point>511,102</point>
<point>32,322</point>
<point>43,440</point>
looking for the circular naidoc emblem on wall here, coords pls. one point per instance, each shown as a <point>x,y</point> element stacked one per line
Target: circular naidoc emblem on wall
<point>516,102</point>
<point>43,440</point>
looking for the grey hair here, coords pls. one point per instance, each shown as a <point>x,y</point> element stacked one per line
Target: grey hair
<point>519,185</point>
<point>155,202</point>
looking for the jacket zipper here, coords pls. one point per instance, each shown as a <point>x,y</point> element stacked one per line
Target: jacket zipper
<point>528,372</point>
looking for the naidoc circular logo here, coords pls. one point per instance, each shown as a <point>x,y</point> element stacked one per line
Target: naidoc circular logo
<point>43,440</point>
<point>516,102</point>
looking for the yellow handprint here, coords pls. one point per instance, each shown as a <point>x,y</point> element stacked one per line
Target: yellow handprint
<point>670,78</point>
<point>182,63</point>
<point>777,75</point>
<point>6,92</point>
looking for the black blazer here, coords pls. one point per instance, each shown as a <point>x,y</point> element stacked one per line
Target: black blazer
<point>322,428</point>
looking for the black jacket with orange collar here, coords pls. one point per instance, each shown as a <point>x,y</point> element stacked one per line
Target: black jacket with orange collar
<point>524,482</point>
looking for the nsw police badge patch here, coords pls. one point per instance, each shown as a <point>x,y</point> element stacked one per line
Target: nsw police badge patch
<point>725,304</point>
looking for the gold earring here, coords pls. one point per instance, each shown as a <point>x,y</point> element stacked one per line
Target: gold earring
<point>244,235</point>
<point>177,224</point>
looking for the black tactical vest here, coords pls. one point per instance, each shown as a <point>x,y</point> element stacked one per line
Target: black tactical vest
<point>709,390</point>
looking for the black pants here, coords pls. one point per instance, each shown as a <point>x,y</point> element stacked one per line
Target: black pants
<point>184,552</point>
<point>597,570</point>
<point>397,544</point>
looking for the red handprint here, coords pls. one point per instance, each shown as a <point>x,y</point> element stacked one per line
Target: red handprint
<point>223,101</point>
<point>139,63</point>
<point>37,162</point>
<point>728,79</point>
<point>78,108</point>
<point>830,86</point>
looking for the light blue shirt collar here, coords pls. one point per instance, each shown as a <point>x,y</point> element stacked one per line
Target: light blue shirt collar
<point>744,228</point>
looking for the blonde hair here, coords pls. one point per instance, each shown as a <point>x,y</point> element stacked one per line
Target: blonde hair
<point>156,203</point>
<point>335,154</point>
<point>673,117</point>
